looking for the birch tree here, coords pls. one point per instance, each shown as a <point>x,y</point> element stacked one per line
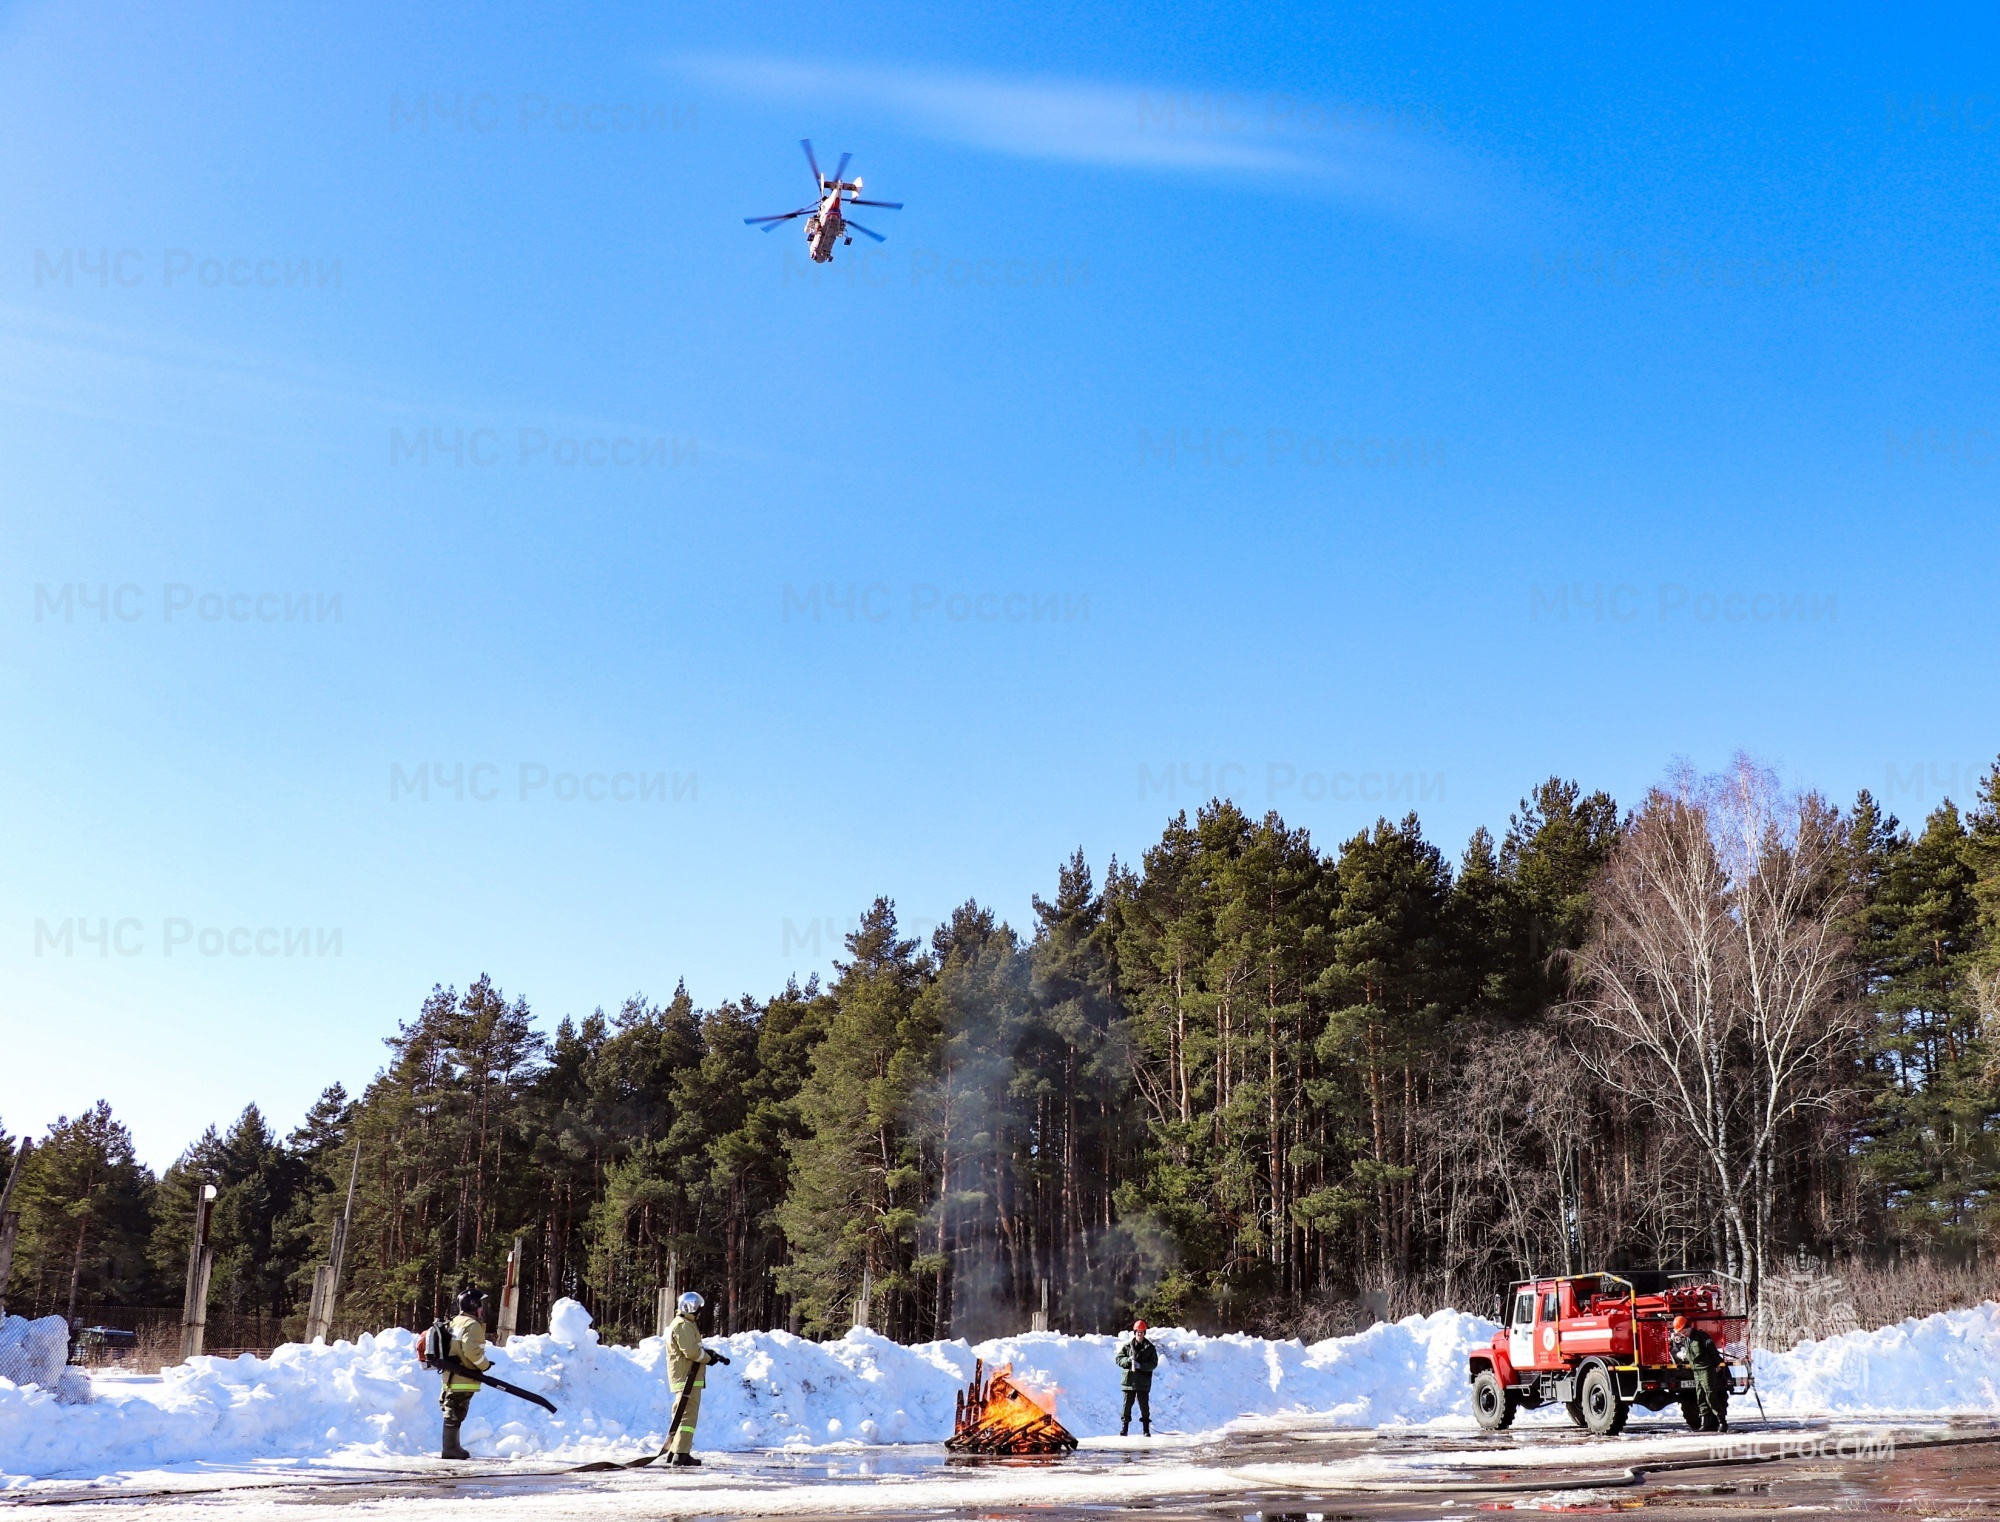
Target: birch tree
<point>1718,971</point>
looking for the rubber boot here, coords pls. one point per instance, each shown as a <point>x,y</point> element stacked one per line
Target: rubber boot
<point>451,1448</point>
<point>1124,1429</point>
<point>685,1461</point>
<point>1145,1427</point>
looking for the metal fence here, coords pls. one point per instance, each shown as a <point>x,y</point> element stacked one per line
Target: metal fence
<point>156,1335</point>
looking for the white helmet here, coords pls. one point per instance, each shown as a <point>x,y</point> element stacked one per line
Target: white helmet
<point>690,1303</point>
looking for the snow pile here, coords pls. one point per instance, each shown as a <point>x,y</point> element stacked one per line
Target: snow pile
<point>370,1398</point>
<point>1407,1371</point>
<point>37,1353</point>
<point>1947,1363</point>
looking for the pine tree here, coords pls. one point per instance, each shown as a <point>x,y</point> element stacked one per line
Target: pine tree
<point>322,1148</point>
<point>1274,899</point>
<point>1982,856</point>
<point>1163,920</point>
<point>443,1132</point>
<point>1556,847</point>
<point>258,1182</point>
<point>86,1207</point>
<point>853,1209</point>
<point>752,1163</point>
<point>1393,985</point>
<point>979,1124</point>
<point>1074,984</point>
<point>1924,1140</point>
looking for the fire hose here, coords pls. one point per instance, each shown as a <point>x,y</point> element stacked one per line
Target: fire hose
<point>673,1425</point>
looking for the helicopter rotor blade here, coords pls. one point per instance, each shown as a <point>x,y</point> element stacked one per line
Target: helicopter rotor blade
<point>840,169</point>
<point>868,232</point>
<point>807,144</point>
<point>888,205</point>
<point>783,216</point>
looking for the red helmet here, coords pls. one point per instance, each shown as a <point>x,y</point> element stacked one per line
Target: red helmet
<point>1139,1327</point>
<point>1680,1323</point>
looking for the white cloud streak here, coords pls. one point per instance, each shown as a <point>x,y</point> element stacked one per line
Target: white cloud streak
<point>1392,160</point>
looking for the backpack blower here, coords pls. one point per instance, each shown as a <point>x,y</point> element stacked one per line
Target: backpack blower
<point>434,1352</point>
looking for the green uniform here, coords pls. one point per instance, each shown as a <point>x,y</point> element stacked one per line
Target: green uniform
<point>468,1346</point>
<point>1698,1351</point>
<point>687,1366</point>
<point>1137,1357</point>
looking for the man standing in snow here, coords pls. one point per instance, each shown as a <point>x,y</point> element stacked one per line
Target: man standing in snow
<point>1137,1357</point>
<point>686,1361</point>
<point>1692,1346</point>
<point>467,1350</point>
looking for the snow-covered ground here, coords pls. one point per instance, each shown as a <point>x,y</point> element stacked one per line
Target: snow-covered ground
<point>369,1403</point>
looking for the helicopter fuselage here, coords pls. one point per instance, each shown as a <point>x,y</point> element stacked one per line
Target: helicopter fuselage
<point>826,227</point>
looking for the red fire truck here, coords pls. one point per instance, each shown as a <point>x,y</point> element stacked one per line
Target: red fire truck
<point>1597,1343</point>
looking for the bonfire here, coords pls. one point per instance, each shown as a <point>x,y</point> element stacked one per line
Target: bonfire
<point>997,1416</point>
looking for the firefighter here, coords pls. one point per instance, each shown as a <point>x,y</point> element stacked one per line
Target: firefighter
<point>468,1349</point>
<point>1692,1346</point>
<point>1137,1357</point>
<point>687,1360</point>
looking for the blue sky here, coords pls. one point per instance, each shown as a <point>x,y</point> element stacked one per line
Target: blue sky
<point>1349,410</point>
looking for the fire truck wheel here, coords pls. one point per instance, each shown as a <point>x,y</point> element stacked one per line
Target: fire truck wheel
<point>1603,1412</point>
<point>1491,1404</point>
<point>1575,1410</point>
<point>1691,1411</point>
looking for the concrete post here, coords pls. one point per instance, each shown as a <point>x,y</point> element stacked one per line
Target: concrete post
<point>510,1298</point>
<point>201,1262</point>
<point>10,1219</point>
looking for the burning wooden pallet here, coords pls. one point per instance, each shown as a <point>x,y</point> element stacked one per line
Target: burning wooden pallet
<point>995,1416</point>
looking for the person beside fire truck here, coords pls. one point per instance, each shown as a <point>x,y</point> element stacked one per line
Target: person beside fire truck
<point>1692,1346</point>
<point>1137,1357</point>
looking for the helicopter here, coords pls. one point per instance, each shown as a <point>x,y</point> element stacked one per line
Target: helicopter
<point>825,226</point>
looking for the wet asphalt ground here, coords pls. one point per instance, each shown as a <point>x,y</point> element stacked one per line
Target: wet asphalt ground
<point>1940,1469</point>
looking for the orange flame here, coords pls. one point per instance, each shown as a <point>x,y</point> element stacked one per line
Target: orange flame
<point>1008,1405</point>
<point>997,1416</point>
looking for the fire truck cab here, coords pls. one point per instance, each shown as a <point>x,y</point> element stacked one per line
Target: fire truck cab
<point>1598,1343</point>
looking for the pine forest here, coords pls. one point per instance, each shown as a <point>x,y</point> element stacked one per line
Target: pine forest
<point>1241,1082</point>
